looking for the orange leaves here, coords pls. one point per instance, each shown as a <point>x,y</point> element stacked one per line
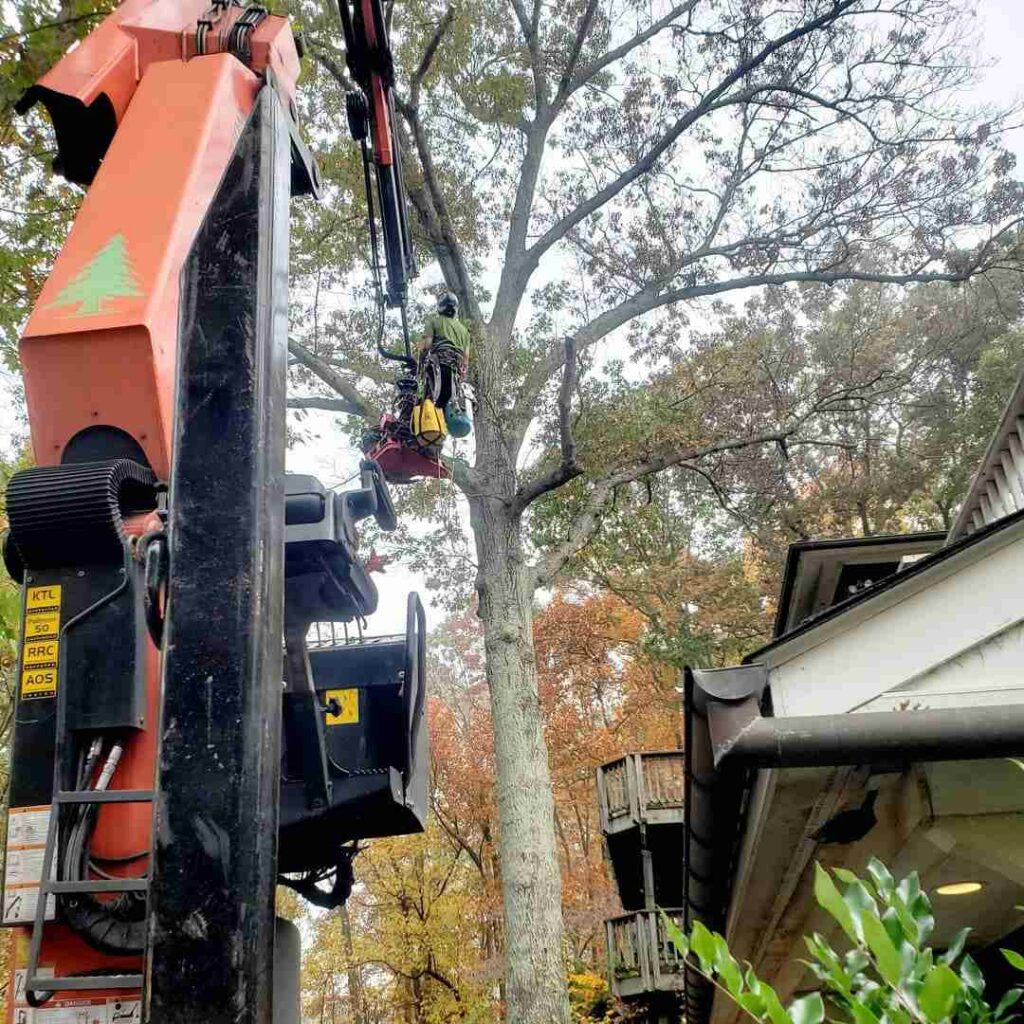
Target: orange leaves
<point>427,909</point>
<point>601,695</point>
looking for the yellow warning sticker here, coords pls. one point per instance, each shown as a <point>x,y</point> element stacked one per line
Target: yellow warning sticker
<point>42,625</point>
<point>38,682</point>
<point>39,653</point>
<point>43,598</point>
<point>345,704</point>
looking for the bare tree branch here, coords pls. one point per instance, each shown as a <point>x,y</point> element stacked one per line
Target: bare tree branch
<point>587,523</point>
<point>440,229</point>
<point>565,84</point>
<point>62,23</point>
<point>333,68</point>
<point>428,55</point>
<point>654,297</point>
<point>569,467</point>
<point>518,263</point>
<point>530,24</point>
<point>515,270</point>
<point>709,101</point>
<point>333,379</point>
<point>571,82</point>
<point>327,404</point>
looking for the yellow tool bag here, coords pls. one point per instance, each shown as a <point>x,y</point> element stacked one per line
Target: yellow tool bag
<point>428,422</point>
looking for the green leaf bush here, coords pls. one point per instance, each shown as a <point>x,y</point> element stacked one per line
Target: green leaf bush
<point>888,976</point>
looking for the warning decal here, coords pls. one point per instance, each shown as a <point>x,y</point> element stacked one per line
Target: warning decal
<point>344,706</point>
<point>72,1008</point>
<point>41,649</point>
<point>20,906</point>
<point>83,1011</point>
<point>26,844</point>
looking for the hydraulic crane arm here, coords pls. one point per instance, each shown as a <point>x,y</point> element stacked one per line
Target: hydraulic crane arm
<point>371,117</point>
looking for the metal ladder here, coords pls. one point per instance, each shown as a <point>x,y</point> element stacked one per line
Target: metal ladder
<point>49,887</point>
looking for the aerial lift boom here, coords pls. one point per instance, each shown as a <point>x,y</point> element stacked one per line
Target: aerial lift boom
<point>177,747</point>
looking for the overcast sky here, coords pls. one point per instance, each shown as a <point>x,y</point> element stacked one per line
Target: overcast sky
<point>1001,24</point>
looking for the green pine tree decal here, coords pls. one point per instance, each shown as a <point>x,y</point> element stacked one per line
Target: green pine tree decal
<point>108,275</point>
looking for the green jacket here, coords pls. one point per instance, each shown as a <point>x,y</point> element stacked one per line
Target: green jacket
<point>449,328</point>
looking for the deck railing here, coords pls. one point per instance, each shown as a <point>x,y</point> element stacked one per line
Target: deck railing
<point>645,787</point>
<point>641,957</point>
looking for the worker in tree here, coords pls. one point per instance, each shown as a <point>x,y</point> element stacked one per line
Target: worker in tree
<point>444,352</point>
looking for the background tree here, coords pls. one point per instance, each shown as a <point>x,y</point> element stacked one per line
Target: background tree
<point>700,554</point>
<point>573,168</point>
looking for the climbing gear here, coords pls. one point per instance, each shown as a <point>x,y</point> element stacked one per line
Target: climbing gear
<point>439,365</point>
<point>428,423</point>
<point>393,445</point>
<point>458,421</point>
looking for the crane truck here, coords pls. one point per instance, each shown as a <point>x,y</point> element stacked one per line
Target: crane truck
<point>180,745</point>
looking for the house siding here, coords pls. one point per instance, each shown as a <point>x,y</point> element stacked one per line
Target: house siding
<point>948,639</point>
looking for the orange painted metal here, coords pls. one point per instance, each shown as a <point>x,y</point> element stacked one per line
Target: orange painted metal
<point>113,361</point>
<point>381,120</point>
<point>101,345</point>
<point>114,57</point>
<point>67,953</point>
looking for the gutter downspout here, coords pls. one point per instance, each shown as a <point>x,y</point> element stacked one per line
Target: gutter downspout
<point>728,737</point>
<point>714,813</point>
<point>740,735</point>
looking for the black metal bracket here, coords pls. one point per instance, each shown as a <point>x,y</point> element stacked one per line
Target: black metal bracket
<point>214,860</point>
<point>304,720</point>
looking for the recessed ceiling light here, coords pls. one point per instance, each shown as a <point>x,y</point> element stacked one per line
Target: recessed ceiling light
<point>958,888</point>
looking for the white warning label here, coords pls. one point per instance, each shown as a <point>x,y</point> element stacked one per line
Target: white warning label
<point>125,1011</point>
<point>20,906</point>
<point>26,826</point>
<point>19,983</point>
<point>24,866</point>
<point>82,1011</point>
<point>26,844</point>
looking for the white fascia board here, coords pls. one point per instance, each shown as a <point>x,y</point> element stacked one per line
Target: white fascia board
<point>904,632</point>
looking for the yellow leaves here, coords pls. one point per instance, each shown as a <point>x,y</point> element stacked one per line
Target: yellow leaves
<point>589,997</point>
<point>415,936</point>
<point>288,904</point>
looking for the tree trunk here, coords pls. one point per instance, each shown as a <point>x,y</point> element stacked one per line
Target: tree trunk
<point>417,996</point>
<point>531,878</point>
<point>355,981</point>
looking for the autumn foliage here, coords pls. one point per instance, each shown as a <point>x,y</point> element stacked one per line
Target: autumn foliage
<point>422,941</point>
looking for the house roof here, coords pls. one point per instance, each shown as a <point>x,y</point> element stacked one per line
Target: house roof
<point>997,489</point>
<point>888,583</point>
<point>817,570</point>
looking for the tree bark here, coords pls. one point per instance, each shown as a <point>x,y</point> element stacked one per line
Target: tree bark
<point>531,878</point>
<point>355,981</point>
